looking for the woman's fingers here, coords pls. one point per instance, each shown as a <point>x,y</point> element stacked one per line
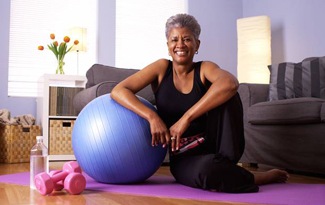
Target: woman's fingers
<point>160,138</point>
<point>175,143</point>
<point>163,140</point>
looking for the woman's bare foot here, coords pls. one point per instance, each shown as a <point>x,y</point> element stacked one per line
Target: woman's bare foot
<point>271,176</point>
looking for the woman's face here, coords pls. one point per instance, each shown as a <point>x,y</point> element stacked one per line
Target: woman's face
<point>182,45</point>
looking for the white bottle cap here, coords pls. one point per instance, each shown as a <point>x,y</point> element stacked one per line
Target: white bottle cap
<point>39,137</point>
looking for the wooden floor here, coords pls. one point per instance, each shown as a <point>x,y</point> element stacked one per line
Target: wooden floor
<point>18,195</point>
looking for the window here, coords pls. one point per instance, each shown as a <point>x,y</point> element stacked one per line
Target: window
<point>31,23</point>
<point>140,30</point>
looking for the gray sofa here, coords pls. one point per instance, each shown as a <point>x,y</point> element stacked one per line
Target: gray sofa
<point>101,79</point>
<point>288,133</point>
<point>284,121</point>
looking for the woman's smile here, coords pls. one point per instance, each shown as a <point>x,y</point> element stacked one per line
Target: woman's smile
<point>181,53</point>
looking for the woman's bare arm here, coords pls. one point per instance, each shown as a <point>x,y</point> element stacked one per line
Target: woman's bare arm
<point>223,86</point>
<point>124,93</point>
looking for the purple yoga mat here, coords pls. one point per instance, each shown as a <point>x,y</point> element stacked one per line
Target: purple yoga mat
<point>165,186</point>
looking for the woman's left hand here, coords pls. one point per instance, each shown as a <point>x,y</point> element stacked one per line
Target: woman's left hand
<point>176,131</point>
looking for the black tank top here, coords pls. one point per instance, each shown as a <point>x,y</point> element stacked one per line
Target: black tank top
<point>172,104</point>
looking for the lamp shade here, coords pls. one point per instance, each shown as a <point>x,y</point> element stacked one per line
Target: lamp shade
<point>254,49</point>
<point>80,34</point>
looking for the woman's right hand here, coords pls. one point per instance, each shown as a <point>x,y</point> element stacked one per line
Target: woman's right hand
<point>159,132</point>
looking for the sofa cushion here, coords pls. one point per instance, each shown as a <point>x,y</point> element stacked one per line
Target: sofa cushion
<point>294,80</point>
<point>291,111</point>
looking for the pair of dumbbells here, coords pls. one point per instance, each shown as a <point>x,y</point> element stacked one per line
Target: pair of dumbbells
<point>69,178</point>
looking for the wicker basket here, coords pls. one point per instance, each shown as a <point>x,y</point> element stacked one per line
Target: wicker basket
<point>16,142</point>
<point>60,137</point>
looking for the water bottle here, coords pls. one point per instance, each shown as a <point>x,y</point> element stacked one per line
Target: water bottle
<point>38,160</point>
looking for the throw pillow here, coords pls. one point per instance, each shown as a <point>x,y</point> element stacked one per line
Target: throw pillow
<point>294,80</point>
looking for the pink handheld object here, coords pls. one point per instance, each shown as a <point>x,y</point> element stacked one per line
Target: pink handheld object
<point>188,143</point>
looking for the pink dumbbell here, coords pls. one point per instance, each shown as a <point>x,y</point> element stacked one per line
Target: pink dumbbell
<point>58,186</point>
<point>74,181</point>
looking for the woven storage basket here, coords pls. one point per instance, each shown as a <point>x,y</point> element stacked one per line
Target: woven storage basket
<point>60,137</point>
<point>16,142</point>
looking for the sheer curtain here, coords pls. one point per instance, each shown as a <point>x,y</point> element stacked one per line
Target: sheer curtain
<point>31,23</point>
<point>140,30</point>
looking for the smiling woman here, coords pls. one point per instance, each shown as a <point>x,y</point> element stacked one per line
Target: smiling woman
<point>26,63</point>
<point>198,109</point>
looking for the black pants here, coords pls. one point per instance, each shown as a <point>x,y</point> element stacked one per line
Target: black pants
<point>213,165</point>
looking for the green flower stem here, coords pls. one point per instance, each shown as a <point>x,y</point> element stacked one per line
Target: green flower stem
<point>59,69</point>
<point>59,52</point>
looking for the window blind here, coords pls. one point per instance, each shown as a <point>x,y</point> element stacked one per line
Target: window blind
<point>140,30</point>
<point>31,23</point>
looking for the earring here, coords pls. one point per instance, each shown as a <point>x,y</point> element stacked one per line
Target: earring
<point>197,52</point>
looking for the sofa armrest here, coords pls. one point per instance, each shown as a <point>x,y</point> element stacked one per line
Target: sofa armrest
<point>251,94</point>
<point>82,98</point>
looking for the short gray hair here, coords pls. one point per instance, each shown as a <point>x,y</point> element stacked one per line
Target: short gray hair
<point>183,21</point>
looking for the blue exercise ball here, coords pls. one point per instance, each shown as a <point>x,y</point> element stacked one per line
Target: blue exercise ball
<point>113,144</point>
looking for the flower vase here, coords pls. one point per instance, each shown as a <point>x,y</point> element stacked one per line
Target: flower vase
<point>59,69</point>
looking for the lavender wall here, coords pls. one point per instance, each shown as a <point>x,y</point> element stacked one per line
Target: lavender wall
<point>297,32</point>
<point>298,29</point>
<point>218,36</point>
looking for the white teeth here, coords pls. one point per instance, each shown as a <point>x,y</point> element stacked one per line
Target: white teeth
<point>180,53</point>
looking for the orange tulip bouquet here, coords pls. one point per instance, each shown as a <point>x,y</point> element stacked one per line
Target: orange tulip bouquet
<point>59,50</point>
